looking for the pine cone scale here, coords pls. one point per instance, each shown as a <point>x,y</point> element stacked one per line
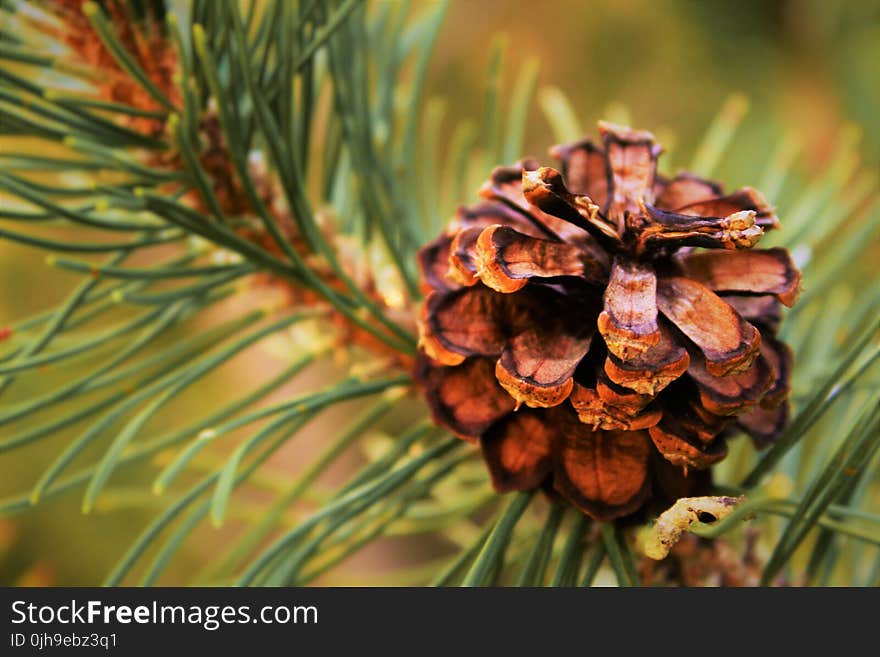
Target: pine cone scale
<point>517,450</point>
<point>628,322</point>
<point>685,190</point>
<point>655,369</point>
<point>585,168</point>
<point>603,473</point>
<point>632,166</point>
<point>728,342</point>
<point>467,399</point>
<point>764,271</point>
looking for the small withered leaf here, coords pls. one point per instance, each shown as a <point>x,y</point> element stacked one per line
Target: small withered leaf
<point>629,319</point>
<point>657,540</point>
<point>760,271</point>
<point>728,342</point>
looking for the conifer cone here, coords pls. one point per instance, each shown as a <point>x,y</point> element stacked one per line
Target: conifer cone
<point>599,330</point>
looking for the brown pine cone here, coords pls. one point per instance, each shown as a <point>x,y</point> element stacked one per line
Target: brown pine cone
<point>576,329</point>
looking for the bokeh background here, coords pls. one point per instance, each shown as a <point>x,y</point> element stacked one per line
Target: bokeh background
<point>807,67</point>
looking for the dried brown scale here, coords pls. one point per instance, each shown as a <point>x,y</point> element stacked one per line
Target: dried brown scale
<point>628,317</point>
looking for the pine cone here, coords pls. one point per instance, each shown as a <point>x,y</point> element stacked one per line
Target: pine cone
<point>582,297</point>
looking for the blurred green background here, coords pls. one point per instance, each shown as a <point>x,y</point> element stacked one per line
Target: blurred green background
<point>807,67</point>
